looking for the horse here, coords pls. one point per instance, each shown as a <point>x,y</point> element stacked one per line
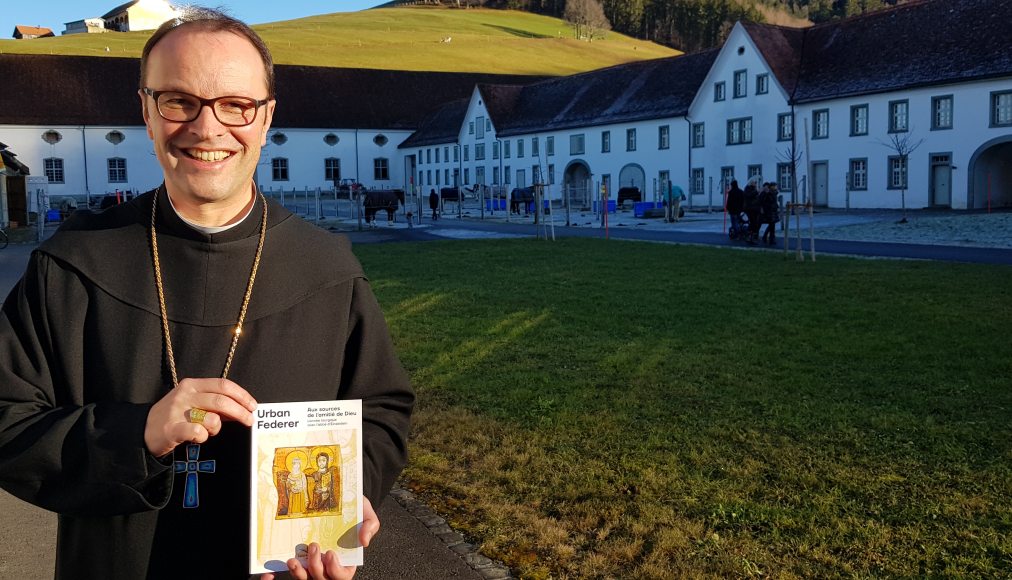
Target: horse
<point>376,200</point>
<point>521,195</point>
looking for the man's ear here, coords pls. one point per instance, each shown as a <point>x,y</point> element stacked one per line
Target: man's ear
<point>145,113</point>
<point>268,119</point>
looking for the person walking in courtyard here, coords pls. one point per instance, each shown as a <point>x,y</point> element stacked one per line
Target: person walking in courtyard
<point>770,212</point>
<point>734,204</point>
<point>140,339</point>
<point>434,204</point>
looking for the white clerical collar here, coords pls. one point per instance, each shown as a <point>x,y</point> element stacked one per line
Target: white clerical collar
<point>208,230</point>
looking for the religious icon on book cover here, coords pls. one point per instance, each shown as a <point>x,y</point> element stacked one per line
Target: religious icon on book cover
<point>308,481</point>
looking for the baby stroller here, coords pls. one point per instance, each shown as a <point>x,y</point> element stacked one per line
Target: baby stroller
<point>741,232</point>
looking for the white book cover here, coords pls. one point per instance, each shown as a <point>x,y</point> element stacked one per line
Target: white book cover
<point>306,482</point>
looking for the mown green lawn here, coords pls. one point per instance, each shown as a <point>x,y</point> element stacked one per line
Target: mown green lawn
<point>487,41</point>
<point>619,409</point>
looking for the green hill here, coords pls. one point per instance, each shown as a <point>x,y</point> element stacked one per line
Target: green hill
<point>409,38</point>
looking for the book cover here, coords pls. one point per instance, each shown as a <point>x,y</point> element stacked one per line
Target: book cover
<point>306,482</point>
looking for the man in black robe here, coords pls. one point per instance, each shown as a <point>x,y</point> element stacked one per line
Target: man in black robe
<point>91,426</point>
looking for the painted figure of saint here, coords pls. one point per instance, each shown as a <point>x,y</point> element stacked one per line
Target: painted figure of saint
<point>298,497</point>
<point>324,490</point>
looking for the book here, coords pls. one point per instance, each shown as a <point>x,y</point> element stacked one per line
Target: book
<point>305,482</point>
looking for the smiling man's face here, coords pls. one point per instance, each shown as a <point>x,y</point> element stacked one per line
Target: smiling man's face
<point>205,161</point>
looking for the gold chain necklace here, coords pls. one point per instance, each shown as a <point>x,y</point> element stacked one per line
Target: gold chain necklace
<point>161,292</point>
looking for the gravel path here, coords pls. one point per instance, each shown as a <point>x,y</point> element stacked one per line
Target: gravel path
<point>992,230</point>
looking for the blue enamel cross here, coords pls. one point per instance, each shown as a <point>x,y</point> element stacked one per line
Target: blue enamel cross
<point>191,467</point>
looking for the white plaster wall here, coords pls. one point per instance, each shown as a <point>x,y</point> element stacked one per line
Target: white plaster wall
<point>763,109</point>
<point>83,146</point>
<point>971,129</point>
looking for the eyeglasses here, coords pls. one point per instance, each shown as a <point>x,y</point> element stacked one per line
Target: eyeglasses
<point>184,107</point>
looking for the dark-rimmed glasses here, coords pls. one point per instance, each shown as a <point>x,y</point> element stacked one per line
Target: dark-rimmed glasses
<point>182,107</point>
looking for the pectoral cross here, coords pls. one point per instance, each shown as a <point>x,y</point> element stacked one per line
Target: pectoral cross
<point>191,467</point>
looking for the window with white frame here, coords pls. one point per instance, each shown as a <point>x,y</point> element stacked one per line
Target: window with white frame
<point>446,176</point>
<point>53,168</point>
<point>698,180</point>
<point>754,171</point>
<point>279,169</point>
<point>762,84</point>
<point>381,169</point>
<point>897,172</point>
<point>479,151</point>
<point>437,154</point>
<point>495,175</point>
<point>577,144</point>
<point>470,128</point>
<point>479,175</point>
<point>332,169</point>
<point>1001,109</point>
<point>726,177</point>
<point>495,150</point>
<point>820,124</point>
<point>117,170</point>
<point>437,178</point>
<point>605,141</point>
<point>858,174</point>
<point>446,153</point>
<point>467,152</point>
<point>456,153</point>
<point>421,177</point>
<point>663,177</point>
<point>467,176</point>
<point>428,177</point>
<point>784,174</point>
<point>630,139</point>
<point>480,127</point>
<point>506,174</point>
<point>858,120</point>
<point>506,149</point>
<point>739,131</point>
<point>535,147</point>
<point>488,125</point>
<point>520,148</point>
<point>719,91</point>
<point>698,135</point>
<point>785,127</point>
<point>551,173</point>
<point>549,146</point>
<point>898,116</point>
<point>536,174</point>
<point>941,112</point>
<point>664,137</point>
<point>740,83</point>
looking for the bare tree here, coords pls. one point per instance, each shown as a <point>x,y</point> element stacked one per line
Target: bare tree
<point>903,144</point>
<point>587,18</point>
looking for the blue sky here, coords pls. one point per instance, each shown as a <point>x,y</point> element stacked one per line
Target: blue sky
<point>54,13</point>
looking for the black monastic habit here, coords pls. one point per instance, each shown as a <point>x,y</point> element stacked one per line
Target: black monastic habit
<point>82,361</point>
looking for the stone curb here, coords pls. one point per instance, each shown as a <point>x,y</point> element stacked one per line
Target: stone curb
<point>455,541</point>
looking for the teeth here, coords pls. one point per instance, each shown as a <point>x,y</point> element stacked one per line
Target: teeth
<point>208,155</point>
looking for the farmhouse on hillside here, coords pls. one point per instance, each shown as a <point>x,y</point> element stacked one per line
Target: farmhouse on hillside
<point>22,32</point>
<point>816,110</point>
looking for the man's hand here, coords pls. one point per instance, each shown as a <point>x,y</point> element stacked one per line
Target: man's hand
<point>328,566</point>
<point>168,422</point>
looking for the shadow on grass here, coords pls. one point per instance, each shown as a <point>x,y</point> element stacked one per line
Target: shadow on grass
<point>517,32</point>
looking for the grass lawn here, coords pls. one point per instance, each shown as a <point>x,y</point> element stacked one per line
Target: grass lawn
<point>488,41</point>
<point>618,409</point>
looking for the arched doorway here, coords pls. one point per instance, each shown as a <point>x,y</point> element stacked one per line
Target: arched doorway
<point>990,175</point>
<point>576,183</point>
<point>632,175</point>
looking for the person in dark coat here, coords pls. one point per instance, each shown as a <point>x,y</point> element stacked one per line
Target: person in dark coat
<point>97,425</point>
<point>735,204</point>
<point>770,212</point>
<point>434,203</point>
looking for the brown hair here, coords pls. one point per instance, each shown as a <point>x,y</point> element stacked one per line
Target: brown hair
<point>211,20</point>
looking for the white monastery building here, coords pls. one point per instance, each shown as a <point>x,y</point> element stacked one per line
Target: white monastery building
<point>129,17</point>
<point>911,105</point>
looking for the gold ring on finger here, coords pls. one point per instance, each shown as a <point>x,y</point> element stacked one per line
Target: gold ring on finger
<point>196,415</point>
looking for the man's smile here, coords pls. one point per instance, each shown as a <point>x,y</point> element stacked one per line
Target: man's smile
<point>207,155</point>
